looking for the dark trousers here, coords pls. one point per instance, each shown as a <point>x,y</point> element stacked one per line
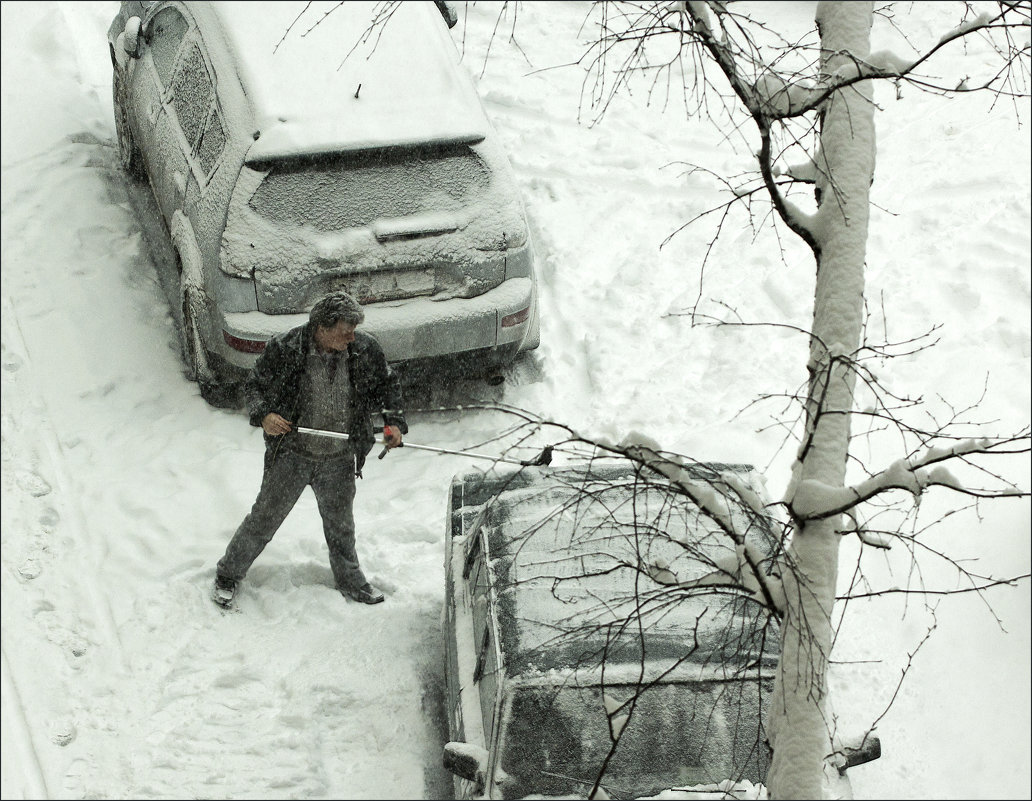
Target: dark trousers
<point>287,473</point>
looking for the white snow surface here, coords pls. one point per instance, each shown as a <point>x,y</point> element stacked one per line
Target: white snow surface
<point>121,487</point>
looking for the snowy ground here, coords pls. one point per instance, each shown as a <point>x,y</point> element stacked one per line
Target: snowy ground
<point>121,486</point>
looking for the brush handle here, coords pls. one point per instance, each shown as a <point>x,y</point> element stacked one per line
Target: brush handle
<point>320,433</point>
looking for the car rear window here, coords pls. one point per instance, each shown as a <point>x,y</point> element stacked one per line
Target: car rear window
<point>679,734</point>
<point>354,190</point>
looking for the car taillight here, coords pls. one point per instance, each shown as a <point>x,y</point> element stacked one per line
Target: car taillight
<point>515,319</point>
<point>244,345</point>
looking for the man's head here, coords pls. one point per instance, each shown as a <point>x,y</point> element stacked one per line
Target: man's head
<point>334,319</point>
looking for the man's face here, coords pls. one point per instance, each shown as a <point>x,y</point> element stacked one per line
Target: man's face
<point>335,338</point>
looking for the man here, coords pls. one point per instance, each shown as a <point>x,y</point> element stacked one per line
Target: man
<point>322,375</point>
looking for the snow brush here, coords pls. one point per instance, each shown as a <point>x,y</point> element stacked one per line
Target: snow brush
<point>542,459</point>
<point>318,432</point>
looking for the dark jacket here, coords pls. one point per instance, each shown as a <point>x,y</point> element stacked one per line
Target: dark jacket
<point>275,382</point>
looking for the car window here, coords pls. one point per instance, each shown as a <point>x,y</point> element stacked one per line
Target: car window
<point>192,93</point>
<point>167,30</point>
<point>488,669</point>
<point>213,140</point>
<point>679,734</point>
<point>355,190</point>
<point>485,671</point>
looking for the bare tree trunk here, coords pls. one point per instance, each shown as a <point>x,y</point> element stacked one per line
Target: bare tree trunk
<point>798,724</point>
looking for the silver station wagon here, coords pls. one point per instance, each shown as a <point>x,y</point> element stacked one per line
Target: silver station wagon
<point>296,148</point>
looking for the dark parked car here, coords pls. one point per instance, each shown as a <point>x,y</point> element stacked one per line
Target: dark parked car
<point>557,638</point>
<point>573,656</point>
<point>285,165</point>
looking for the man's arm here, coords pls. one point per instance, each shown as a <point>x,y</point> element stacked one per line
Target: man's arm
<point>393,414</point>
<point>389,391</point>
<point>260,383</point>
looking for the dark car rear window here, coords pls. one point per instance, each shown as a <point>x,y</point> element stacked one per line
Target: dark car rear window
<point>332,193</point>
<point>679,734</point>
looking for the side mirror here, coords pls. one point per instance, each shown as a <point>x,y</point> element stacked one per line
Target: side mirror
<point>467,762</point>
<point>858,752</point>
<point>448,12</point>
<point>131,37</point>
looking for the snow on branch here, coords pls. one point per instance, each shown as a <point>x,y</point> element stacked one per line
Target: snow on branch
<point>742,569</point>
<point>779,84</point>
<point>815,500</point>
<point>761,99</point>
<point>736,570</point>
<point>885,64</point>
<point>983,20</point>
<point>781,99</point>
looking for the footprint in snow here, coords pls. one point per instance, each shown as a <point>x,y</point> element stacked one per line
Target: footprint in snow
<point>33,483</point>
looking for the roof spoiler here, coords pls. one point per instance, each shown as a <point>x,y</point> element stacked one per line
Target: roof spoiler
<point>270,151</point>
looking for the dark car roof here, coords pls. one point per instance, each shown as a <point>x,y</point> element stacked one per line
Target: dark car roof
<point>563,545</point>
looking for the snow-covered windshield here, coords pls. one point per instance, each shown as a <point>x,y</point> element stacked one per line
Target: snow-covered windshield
<point>348,191</point>
<point>679,734</point>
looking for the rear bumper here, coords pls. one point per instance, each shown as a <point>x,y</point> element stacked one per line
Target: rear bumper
<point>408,330</point>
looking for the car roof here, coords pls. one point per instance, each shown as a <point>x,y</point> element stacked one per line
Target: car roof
<point>400,85</point>
<point>562,559</point>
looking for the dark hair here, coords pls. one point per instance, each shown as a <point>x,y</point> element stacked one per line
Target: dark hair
<point>335,307</point>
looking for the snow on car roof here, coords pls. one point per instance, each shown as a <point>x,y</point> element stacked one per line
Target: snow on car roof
<point>402,84</point>
<point>564,556</point>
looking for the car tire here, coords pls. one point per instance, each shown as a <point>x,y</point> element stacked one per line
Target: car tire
<point>215,390</point>
<point>220,395</point>
<point>128,153</point>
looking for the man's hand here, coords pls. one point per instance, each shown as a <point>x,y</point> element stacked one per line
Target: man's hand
<point>391,436</point>
<point>274,425</point>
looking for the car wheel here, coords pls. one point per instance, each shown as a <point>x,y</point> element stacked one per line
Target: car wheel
<point>214,389</point>
<point>128,153</point>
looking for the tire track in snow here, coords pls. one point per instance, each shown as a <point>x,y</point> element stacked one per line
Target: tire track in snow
<point>16,726</point>
<point>48,549</point>
<point>55,459</point>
